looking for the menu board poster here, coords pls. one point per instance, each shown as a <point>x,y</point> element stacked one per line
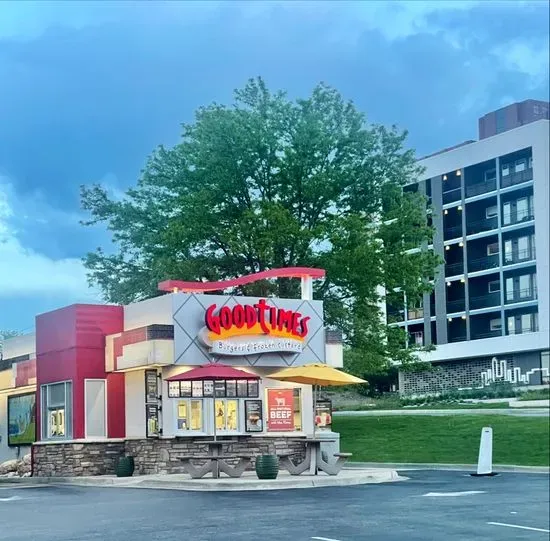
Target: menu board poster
<point>208,388</point>
<point>323,414</point>
<point>219,388</point>
<point>253,388</point>
<point>152,420</point>
<point>174,389</point>
<point>242,388</point>
<point>151,386</point>
<point>196,389</point>
<point>185,389</point>
<point>253,412</point>
<point>280,410</point>
<point>231,388</point>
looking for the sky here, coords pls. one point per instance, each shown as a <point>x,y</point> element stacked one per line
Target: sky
<point>89,89</point>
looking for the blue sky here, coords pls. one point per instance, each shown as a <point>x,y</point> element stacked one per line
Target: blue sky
<point>87,90</point>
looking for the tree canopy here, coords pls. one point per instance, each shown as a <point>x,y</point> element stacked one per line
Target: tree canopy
<point>272,182</point>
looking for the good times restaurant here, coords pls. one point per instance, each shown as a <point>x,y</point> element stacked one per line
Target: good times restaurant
<point>99,381</point>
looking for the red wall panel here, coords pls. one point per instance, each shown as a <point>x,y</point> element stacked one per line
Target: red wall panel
<point>116,409</point>
<point>70,346</point>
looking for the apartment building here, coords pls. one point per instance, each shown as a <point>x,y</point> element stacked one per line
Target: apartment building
<point>488,316</point>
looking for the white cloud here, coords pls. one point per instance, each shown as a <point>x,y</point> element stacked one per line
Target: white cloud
<point>26,272</point>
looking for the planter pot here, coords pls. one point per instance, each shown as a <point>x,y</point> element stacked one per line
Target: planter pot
<point>125,466</point>
<point>267,466</point>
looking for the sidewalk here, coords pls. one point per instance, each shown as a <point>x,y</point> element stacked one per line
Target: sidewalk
<point>249,481</point>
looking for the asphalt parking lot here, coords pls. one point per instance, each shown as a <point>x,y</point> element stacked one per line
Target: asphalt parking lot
<point>429,506</point>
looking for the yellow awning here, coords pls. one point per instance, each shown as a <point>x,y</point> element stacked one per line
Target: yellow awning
<point>316,374</point>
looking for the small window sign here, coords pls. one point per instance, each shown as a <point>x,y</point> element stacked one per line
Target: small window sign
<point>242,388</point>
<point>185,389</point>
<point>208,388</point>
<point>253,389</point>
<point>231,388</point>
<point>196,389</point>
<point>174,389</point>
<point>219,388</point>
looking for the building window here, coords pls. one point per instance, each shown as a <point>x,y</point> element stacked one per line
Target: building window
<point>56,414</point>
<point>491,212</point>
<point>531,162</point>
<point>520,166</point>
<point>490,175</point>
<point>522,323</point>
<point>227,415</point>
<point>494,286</point>
<point>505,171</point>
<point>492,249</point>
<point>189,415</point>
<point>495,324</point>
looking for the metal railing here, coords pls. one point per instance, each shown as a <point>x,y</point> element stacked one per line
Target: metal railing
<point>482,225</point>
<point>521,295</point>
<point>485,301</point>
<point>518,256</point>
<point>510,218</point>
<point>491,334</point>
<point>481,187</point>
<point>483,263</point>
<point>452,195</point>
<point>453,269</point>
<point>516,178</point>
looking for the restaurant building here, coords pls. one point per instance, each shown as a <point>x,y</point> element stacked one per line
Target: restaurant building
<point>96,382</point>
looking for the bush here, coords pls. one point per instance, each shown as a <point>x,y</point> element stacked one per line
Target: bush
<point>536,394</point>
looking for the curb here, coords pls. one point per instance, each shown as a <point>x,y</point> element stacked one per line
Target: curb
<point>503,468</point>
<point>223,485</point>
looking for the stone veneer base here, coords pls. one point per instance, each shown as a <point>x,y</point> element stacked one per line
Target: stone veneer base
<point>151,456</point>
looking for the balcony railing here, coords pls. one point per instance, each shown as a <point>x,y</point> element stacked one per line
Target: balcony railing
<point>457,338</point>
<point>516,178</point>
<point>521,295</point>
<point>452,195</point>
<point>519,256</point>
<point>416,313</point>
<point>485,301</point>
<point>491,334</point>
<point>481,187</point>
<point>487,224</point>
<point>453,269</point>
<point>510,218</point>
<point>483,263</point>
<point>453,232</point>
<point>456,306</point>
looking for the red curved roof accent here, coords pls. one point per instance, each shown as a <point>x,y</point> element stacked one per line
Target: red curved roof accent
<point>288,272</point>
<point>213,371</point>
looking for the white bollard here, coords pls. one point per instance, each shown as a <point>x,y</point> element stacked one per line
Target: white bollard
<point>485,458</point>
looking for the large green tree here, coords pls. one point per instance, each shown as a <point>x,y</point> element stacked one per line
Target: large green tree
<point>271,182</point>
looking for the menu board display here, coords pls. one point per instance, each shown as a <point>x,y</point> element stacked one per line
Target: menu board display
<point>253,389</point>
<point>323,414</point>
<point>196,389</point>
<point>174,389</point>
<point>219,388</point>
<point>208,388</point>
<point>185,389</point>
<point>280,410</point>
<point>254,415</point>
<point>231,388</point>
<point>242,388</point>
<point>151,386</point>
<point>152,420</point>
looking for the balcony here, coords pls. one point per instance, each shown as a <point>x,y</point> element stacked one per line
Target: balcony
<point>485,301</point>
<point>487,224</point>
<point>452,196</point>
<point>454,269</point>
<point>481,336</point>
<point>415,313</point>
<point>457,338</point>
<point>458,305</point>
<point>516,178</point>
<point>483,263</point>
<point>519,256</point>
<point>481,187</point>
<point>521,295</point>
<point>511,218</point>
<point>453,232</point>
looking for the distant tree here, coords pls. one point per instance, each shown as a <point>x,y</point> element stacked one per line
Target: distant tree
<point>266,183</point>
<point>4,335</point>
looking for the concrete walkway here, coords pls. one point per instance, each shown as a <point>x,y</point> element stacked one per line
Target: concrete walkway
<point>516,412</point>
<point>249,481</point>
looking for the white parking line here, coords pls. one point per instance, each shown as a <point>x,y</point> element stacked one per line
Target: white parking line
<point>324,539</point>
<point>518,527</point>
<point>452,494</point>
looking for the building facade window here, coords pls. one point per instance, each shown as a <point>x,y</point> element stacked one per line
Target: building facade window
<point>189,415</point>
<point>494,286</point>
<point>56,412</point>
<point>495,324</point>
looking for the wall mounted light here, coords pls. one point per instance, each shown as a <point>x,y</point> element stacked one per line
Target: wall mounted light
<point>463,317</point>
<point>449,318</point>
<point>447,247</point>
<point>446,211</point>
<point>458,173</point>
<point>459,207</point>
<point>462,281</point>
<point>461,244</point>
<point>448,284</point>
<point>444,177</point>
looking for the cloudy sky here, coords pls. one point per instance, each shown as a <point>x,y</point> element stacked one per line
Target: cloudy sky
<point>87,90</point>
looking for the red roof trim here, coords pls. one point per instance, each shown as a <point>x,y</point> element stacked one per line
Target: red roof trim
<point>289,272</point>
<point>213,371</point>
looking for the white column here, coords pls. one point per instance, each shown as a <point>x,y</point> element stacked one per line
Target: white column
<point>307,288</point>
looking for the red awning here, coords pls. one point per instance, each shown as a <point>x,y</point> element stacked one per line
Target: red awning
<point>213,371</point>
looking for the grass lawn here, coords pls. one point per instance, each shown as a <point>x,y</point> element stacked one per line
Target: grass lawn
<point>435,406</point>
<point>447,440</point>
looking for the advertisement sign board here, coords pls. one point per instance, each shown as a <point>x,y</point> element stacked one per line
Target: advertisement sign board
<point>280,410</point>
